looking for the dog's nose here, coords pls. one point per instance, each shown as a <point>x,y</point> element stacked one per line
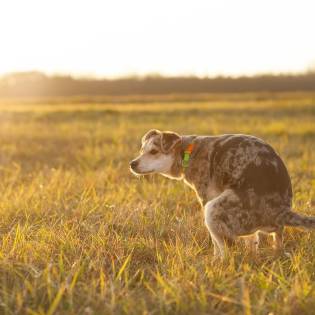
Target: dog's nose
<point>133,164</point>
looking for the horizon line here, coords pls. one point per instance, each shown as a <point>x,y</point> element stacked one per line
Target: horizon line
<point>90,76</point>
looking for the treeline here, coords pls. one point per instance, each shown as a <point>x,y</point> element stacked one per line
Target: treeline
<point>35,84</point>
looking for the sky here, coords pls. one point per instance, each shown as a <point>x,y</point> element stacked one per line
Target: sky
<point>113,38</point>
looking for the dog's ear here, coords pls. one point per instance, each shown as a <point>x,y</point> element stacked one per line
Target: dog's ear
<point>169,140</point>
<point>150,134</point>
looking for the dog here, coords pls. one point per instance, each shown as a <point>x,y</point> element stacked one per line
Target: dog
<point>241,182</point>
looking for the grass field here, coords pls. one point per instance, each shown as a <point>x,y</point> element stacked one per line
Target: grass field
<point>81,235</point>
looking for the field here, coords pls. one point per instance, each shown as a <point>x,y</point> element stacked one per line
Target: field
<point>81,235</point>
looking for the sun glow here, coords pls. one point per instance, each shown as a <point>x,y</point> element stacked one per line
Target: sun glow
<point>116,37</point>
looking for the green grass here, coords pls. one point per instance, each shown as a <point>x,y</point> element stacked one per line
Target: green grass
<point>81,235</point>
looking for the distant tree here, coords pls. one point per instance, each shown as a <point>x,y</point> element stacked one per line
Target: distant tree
<point>36,84</point>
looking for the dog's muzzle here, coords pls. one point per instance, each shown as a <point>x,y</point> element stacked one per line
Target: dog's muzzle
<point>133,164</point>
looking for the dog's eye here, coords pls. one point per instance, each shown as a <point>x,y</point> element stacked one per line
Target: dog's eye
<point>153,151</point>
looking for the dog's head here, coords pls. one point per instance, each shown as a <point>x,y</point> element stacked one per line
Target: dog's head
<point>157,154</point>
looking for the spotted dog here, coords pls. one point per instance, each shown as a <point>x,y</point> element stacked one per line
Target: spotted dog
<point>241,182</point>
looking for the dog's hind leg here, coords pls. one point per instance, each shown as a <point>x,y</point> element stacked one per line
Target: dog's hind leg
<point>278,239</point>
<point>252,242</point>
<point>222,220</point>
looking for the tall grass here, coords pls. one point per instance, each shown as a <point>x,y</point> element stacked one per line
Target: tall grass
<point>81,235</point>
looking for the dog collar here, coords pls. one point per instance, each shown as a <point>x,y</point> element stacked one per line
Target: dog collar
<point>187,153</point>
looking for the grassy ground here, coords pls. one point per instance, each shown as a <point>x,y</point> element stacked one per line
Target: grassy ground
<point>81,235</point>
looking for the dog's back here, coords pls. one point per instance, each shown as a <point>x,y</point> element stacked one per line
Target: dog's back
<point>253,169</point>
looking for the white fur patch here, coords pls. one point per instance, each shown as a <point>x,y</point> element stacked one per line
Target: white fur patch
<point>154,164</point>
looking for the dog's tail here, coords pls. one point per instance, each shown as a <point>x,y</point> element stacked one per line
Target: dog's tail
<point>291,218</point>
